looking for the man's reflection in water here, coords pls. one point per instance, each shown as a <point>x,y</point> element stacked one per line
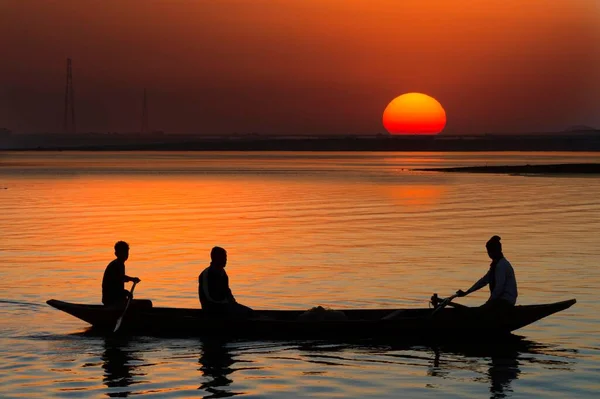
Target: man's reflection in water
<point>503,366</point>
<point>119,368</point>
<point>215,364</point>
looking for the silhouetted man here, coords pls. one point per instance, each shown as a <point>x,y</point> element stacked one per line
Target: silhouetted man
<point>113,282</point>
<point>213,288</point>
<point>500,277</point>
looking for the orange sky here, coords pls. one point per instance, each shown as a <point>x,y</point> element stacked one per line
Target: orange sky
<point>299,66</point>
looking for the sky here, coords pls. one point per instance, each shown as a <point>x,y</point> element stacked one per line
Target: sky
<point>299,66</point>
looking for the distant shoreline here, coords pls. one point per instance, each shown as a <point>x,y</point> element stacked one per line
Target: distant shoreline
<point>587,143</point>
<point>549,169</point>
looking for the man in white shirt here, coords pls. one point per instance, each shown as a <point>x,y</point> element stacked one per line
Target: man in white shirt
<point>500,277</point>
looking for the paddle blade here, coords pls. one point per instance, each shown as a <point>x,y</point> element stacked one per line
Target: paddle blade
<point>120,320</point>
<point>118,324</point>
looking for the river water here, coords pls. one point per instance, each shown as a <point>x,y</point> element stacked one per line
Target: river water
<point>341,230</point>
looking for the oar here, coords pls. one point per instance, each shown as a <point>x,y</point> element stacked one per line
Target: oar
<point>120,320</point>
<point>444,303</point>
<point>457,305</point>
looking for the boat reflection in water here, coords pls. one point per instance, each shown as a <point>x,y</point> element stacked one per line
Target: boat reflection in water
<point>230,368</point>
<point>497,362</point>
<point>120,370</point>
<point>502,359</point>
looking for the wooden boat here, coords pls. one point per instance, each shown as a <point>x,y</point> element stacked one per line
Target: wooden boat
<point>142,318</point>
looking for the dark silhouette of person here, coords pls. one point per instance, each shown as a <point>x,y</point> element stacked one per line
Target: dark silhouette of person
<point>500,277</point>
<point>213,289</point>
<point>113,282</point>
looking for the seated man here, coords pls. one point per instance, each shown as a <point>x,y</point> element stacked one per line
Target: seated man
<point>213,288</point>
<point>113,282</point>
<point>500,277</point>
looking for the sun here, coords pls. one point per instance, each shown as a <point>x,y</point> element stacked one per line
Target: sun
<point>414,113</point>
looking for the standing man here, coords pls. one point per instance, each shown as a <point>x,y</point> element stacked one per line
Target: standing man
<point>113,282</point>
<point>213,288</point>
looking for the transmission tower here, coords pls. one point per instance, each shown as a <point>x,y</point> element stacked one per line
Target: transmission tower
<point>145,114</point>
<point>69,101</point>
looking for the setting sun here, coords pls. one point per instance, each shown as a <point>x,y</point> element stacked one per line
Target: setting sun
<point>414,113</point>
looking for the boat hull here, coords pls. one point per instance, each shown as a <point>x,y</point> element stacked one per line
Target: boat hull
<point>144,319</point>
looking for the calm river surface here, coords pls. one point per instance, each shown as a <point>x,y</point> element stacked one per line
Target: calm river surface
<point>341,230</point>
